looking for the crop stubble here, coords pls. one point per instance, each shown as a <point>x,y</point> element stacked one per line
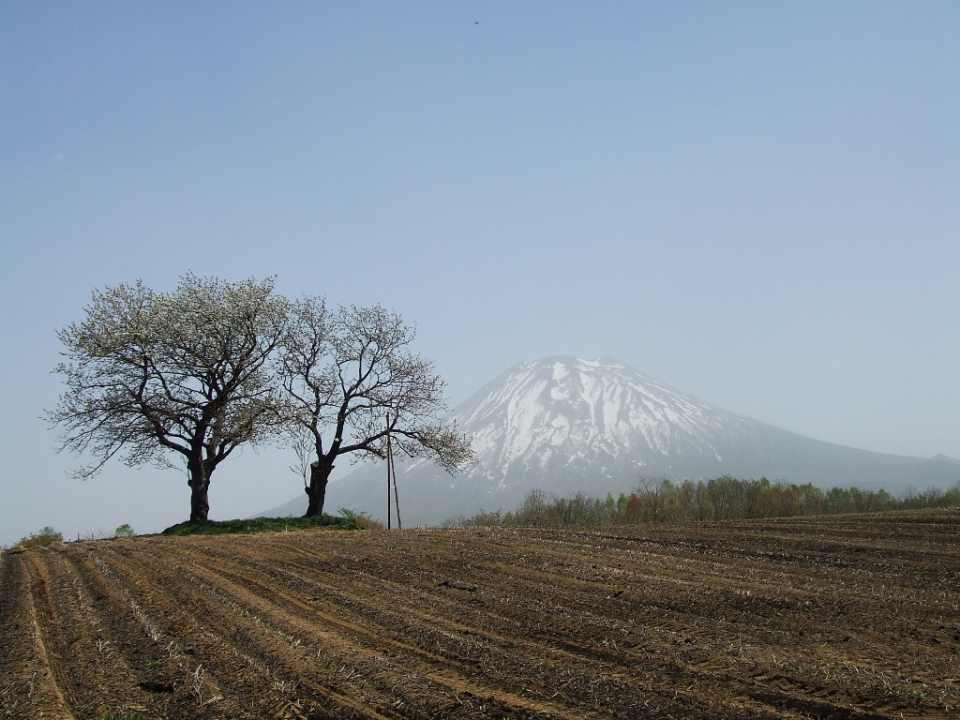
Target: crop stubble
<point>848,618</point>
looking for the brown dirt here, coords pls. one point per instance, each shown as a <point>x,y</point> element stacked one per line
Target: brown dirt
<point>842,619</point>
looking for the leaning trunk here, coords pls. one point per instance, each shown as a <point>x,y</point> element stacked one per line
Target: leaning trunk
<point>317,489</point>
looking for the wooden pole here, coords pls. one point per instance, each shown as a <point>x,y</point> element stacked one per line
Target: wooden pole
<point>388,471</point>
<point>396,495</point>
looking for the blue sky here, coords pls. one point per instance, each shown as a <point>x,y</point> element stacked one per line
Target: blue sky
<point>757,203</point>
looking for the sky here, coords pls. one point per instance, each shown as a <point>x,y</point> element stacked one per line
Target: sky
<point>755,203</point>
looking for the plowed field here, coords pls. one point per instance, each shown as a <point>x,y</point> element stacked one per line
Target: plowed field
<point>852,618</point>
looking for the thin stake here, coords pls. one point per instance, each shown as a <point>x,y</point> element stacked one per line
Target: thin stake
<point>396,494</point>
<point>388,471</point>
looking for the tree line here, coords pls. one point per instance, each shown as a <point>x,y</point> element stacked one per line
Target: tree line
<point>184,378</point>
<point>716,499</point>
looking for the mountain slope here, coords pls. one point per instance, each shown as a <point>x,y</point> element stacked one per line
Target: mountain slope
<point>567,425</point>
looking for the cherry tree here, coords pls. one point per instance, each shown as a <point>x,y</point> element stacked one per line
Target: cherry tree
<point>351,382</point>
<point>152,376</point>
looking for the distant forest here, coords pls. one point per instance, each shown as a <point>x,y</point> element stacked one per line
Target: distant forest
<point>720,498</point>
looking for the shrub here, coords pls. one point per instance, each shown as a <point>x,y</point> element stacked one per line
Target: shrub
<point>124,531</point>
<point>362,519</point>
<point>45,537</point>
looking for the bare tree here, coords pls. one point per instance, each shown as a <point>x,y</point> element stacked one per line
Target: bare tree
<point>187,373</point>
<point>653,494</point>
<point>345,373</point>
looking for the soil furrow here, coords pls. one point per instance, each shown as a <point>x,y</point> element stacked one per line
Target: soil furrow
<point>587,657</point>
<point>410,624</point>
<point>49,633</point>
<point>833,619</point>
<point>359,637</point>
<point>294,651</point>
<point>28,682</point>
<point>200,678</point>
<point>89,643</point>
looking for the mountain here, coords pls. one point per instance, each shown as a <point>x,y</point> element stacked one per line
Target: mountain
<point>567,425</point>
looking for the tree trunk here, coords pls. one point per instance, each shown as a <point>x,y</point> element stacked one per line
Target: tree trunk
<point>199,483</point>
<point>317,489</point>
<point>199,505</point>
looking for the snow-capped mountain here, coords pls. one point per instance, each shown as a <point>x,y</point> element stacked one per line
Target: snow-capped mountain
<point>567,425</point>
<point>569,416</point>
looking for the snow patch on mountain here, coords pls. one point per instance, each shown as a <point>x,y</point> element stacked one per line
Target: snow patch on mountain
<point>560,411</point>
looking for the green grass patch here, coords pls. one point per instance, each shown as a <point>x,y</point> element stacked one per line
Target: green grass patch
<point>258,525</point>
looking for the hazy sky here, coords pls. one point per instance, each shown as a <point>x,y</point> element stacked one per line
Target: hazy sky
<point>756,203</point>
